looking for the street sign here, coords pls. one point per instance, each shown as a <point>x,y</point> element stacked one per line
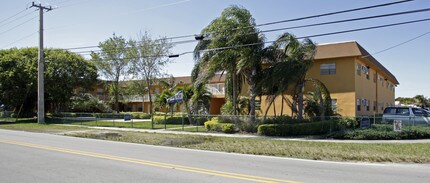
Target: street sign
<point>397,125</point>
<point>365,122</point>
<point>178,97</point>
<point>127,117</point>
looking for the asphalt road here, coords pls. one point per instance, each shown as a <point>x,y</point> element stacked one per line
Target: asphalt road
<point>35,157</point>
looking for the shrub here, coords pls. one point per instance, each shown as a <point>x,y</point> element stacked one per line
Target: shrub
<point>384,132</point>
<point>284,120</point>
<point>220,127</point>
<point>311,128</point>
<point>178,120</point>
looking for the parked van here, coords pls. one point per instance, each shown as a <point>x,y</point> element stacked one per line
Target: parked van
<point>407,115</point>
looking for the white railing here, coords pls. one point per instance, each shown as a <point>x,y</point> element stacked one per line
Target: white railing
<point>216,89</point>
<point>138,98</point>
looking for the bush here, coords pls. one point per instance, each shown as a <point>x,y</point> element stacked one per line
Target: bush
<point>178,120</point>
<point>384,132</point>
<point>220,127</point>
<point>284,120</point>
<point>311,128</point>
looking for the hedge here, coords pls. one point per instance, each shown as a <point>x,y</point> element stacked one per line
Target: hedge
<point>214,125</point>
<point>310,128</point>
<point>177,120</point>
<point>384,132</point>
<point>134,115</point>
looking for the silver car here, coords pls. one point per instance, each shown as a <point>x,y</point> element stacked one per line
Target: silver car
<point>407,115</point>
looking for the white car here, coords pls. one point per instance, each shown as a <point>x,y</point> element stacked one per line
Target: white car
<point>407,115</point>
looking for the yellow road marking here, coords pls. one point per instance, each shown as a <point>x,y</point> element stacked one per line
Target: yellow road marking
<point>151,163</point>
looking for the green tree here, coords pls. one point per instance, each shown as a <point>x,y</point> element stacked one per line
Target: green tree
<point>113,64</point>
<point>421,101</point>
<point>149,59</point>
<point>234,27</point>
<point>288,61</point>
<point>64,72</point>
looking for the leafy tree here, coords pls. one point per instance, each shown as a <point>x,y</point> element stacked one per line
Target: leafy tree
<point>64,72</point>
<point>288,61</point>
<point>234,27</point>
<point>421,101</point>
<point>149,59</point>
<point>113,64</point>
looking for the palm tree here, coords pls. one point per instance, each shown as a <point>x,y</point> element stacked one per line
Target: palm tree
<point>288,61</point>
<point>234,27</point>
<point>421,101</point>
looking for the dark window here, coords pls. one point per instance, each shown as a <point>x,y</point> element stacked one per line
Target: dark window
<point>328,69</point>
<point>358,105</point>
<point>358,69</point>
<point>403,111</point>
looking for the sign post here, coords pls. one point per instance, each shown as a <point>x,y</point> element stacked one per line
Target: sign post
<point>397,125</point>
<point>365,122</point>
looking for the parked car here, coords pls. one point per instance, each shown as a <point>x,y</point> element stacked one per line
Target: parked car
<point>407,115</point>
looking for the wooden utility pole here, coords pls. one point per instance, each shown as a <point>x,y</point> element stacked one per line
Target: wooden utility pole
<point>40,67</point>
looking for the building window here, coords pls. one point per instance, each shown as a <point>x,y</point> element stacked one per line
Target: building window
<point>358,105</point>
<point>358,69</point>
<point>375,105</point>
<point>375,78</point>
<point>328,69</point>
<point>334,104</point>
<point>365,71</point>
<point>367,105</point>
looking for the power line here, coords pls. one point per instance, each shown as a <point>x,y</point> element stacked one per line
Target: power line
<point>350,20</point>
<point>288,20</point>
<point>16,19</point>
<point>317,24</point>
<point>302,37</point>
<point>13,15</point>
<point>397,45</point>
<point>334,13</point>
<point>25,37</point>
<point>1,33</point>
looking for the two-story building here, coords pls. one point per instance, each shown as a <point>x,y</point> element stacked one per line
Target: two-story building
<point>358,83</point>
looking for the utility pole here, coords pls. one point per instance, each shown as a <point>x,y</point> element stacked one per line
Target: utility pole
<point>40,67</point>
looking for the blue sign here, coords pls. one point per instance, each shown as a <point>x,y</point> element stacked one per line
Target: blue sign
<point>178,97</point>
<point>127,117</point>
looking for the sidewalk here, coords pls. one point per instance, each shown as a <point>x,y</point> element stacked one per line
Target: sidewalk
<point>238,135</point>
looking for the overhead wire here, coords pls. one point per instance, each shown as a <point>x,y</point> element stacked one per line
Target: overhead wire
<point>16,19</point>
<point>397,45</point>
<point>302,26</point>
<point>25,37</point>
<point>290,20</point>
<point>13,16</point>
<point>303,37</point>
<point>1,33</point>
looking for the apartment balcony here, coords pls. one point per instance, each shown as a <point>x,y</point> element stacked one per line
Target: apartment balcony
<point>216,89</point>
<point>138,98</point>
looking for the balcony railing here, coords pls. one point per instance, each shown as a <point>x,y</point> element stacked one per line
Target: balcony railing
<point>216,89</point>
<point>138,98</point>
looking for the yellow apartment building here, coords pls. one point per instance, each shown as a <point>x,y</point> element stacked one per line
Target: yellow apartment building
<point>359,85</point>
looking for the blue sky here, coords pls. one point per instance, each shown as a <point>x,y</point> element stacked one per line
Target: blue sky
<point>77,23</point>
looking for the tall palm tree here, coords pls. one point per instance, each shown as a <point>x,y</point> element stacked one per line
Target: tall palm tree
<point>287,61</point>
<point>234,27</point>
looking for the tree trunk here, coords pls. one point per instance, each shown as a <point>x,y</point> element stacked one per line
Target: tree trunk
<point>252,91</point>
<point>234,92</point>
<point>148,82</point>
<point>267,110</point>
<point>300,102</point>
<point>282,103</point>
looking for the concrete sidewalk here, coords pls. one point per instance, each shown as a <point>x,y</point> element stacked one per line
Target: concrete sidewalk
<point>238,135</point>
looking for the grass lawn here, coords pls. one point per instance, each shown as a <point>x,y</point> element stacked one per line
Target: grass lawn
<point>399,153</point>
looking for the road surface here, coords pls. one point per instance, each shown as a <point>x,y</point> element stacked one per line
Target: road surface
<point>36,157</point>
